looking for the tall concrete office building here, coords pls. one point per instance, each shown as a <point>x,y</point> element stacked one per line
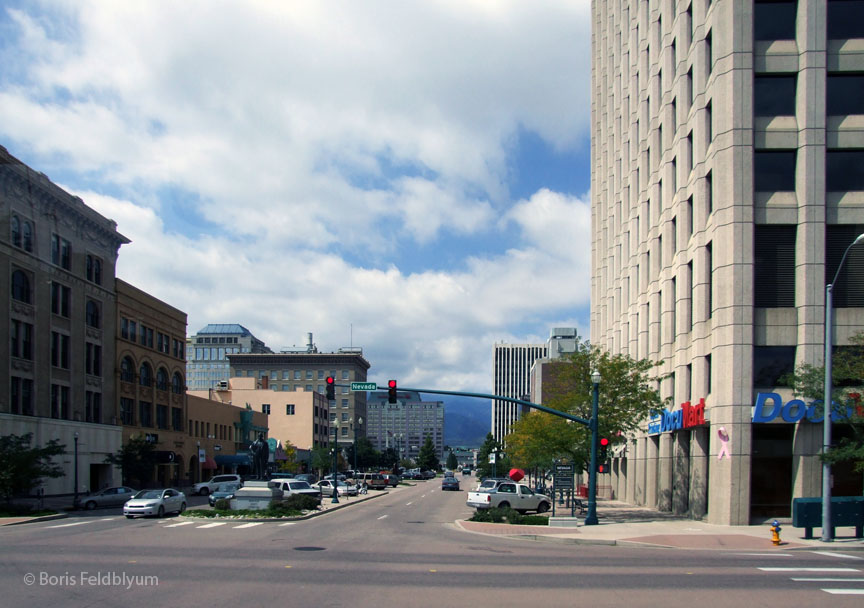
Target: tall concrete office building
<point>404,425</point>
<point>207,365</point>
<point>728,141</point>
<point>511,377</point>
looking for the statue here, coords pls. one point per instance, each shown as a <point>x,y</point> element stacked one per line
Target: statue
<point>260,456</point>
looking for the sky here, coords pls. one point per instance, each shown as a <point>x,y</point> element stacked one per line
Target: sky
<point>411,178</point>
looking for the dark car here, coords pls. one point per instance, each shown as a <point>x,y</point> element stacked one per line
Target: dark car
<point>450,483</point>
<point>428,474</point>
<point>309,478</point>
<point>223,490</point>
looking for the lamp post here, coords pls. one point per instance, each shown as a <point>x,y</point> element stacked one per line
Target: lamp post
<point>356,426</point>
<point>335,480</point>
<point>198,459</point>
<point>827,536</point>
<point>75,490</point>
<point>591,516</point>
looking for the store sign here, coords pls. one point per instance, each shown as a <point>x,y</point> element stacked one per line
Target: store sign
<point>688,416</point>
<point>770,405</point>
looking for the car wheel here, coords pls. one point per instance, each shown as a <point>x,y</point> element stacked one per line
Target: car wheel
<point>161,512</point>
<point>504,505</point>
<point>204,491</point>
<point>543,507</point>
<point>90,505</point>
<point>128,517</point>
<point>182,507</point>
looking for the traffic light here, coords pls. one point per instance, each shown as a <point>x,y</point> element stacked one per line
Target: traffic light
<point>331,388</point>
<point>391,391</point>
<point>603,456</point>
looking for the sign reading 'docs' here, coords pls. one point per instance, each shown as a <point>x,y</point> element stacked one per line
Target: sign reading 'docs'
<point>795,409</point>
<point>688,416</point>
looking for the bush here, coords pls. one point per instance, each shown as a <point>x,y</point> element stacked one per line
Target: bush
<point>509,516</point>
<point>301,502</point>
<point>222,504</point>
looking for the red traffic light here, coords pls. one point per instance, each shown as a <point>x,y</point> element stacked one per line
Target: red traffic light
<point>604,442</point>
<point>391,384</point>
<point>331,388</point>
<point>391,391</point>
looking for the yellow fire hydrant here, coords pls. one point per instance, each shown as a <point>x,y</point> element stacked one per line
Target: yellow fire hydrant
<point>775,532</point>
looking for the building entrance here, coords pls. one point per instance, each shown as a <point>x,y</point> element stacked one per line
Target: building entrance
<point>771,471</point>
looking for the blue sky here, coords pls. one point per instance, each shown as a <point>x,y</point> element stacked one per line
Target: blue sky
<point>410,176</point>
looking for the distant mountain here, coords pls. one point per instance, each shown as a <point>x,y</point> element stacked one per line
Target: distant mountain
<point>467,421</point>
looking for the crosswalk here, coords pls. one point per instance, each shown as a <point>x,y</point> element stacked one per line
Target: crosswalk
<point>197,524</point>
<point>836,580</point>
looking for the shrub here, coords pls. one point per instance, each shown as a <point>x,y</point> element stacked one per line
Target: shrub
<point>222,504</point>
<point>301,502</point>
<point>510,516</point>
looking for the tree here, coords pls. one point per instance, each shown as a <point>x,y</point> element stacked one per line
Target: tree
<point>847,387</point>
<point>22,467</point>
<point>484,467</point>
<point>136,460</point>
<point>628,393</point>
<point>367,455</point>
<point>322,459</point>
<point>452,463</point>
<point>389,459</point>
<point>426,458</point>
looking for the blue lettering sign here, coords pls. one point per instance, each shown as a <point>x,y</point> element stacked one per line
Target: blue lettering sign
<point>770,405</point>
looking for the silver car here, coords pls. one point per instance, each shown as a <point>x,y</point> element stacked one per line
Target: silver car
<point>108,497</point>
<point>155,502</point>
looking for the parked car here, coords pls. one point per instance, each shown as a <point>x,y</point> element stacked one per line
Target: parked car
<point>293,486</point>
<point>411,474</point>
<point>309,478</point>
<point>428,474</point>
<point>155,502</point>
<point>449,483</point>
<point>325,487</point>
<point>391,479</point>
<point>206,487</point>
<point>466,471</point>
<point>223,490</point>
<point>109,497</point>
<point>449,474</point>
<point>373,481</point>
<point>281,475</point>
<point>339,476</point>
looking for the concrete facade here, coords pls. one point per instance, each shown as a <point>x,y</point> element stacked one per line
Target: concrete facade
<point>511,377</point>
<point>405,424</point>
<point>698,158</point>
<point>207,353</point>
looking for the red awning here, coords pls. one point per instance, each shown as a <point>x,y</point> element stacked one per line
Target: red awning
<point>208,463</point>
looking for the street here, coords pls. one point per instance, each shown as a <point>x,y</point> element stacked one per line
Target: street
<point>400,549</point>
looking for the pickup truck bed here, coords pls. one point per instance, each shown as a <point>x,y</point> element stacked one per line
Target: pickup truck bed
<point>516,496</point>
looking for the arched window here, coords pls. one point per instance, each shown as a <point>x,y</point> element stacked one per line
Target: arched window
<point>92,317</point>
<point>145,375</point>
<point>16,231</point>
<point>127,370</point>
<point>27,235</point>
<point>162,379</point>
<point>21,286</point>
<point>177,384</point>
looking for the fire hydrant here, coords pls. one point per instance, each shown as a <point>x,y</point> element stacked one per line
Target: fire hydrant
<point>775,532</point>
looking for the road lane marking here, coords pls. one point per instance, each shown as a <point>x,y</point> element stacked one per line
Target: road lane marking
<point>809,569</point>
<point>288,523</point>
<point>829,580</point>
<point>74,523</point>
<point>107,518</point>
<point>764,554</point>
<point>382,517</point>
<point>844,591</point>
<point>408,504</point>
<point>213,525</point>
<point>249,525</point>
<point>830,554</point>
<point>182,523</point>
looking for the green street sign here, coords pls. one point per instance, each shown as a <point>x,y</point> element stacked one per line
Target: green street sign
<point>364,386</point>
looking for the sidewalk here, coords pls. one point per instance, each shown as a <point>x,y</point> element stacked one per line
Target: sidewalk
<point>623,524</point>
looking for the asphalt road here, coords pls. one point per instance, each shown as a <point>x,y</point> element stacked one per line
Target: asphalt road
<point>397,550</point>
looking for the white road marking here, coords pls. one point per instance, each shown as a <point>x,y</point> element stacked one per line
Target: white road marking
<point>182,523</point>
<point>764,554</point>
<point>249,525</point>
<point>844,591</point>
<point>829,580</point>
<point>107,518</point>
<point>74,523</point>
<point>408,504</point>
<point>213,525</point>
<point>288,523</point>
<point>830,554</point>
<point>382,517</point>
<point>809,569</point>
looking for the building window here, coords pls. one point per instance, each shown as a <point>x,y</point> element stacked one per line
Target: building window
<point>289,409</point>
<point>843,170</point>
<point>265,407</point>
<point>93,359</point>
<point>161,416</point>
<point>15,228</point>
<point>21,286</point>
<point>145,375</point>
<point>22,234</point>
<point>60,402</point>
<point>145,413</point>
<point>133,331</point>
<point>61,252</point>
<point>774,170</point>
<point>848,291</point>
<point>844,19</point>
<point>176,419</point>
<point>844,94</point>
<point>771,364</point>
<point>93,407</point>
<point>21,396</point>
<point>774,94</point>
<point>94,269</point>
<point>59,350</point>
<point>92,317</point>
<point>127,411</point>
<point>21,340</point>
<point>774,266</point>
<point>177,384</point>
<point>774,20</point>
<point>60,295</point>
<point>709,264</point>
<point>162,379</point>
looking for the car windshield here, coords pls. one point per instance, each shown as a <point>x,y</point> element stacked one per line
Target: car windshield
<point>149,494</point>
<point>299,485</point>
<point>227,487</point>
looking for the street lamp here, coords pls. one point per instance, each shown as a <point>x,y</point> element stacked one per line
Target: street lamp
<point>826,404</point>
<point>356,426</point>
<point>198,459</point>
<point>335,463</point>
<point>75,490</point>
<point>591,516</point>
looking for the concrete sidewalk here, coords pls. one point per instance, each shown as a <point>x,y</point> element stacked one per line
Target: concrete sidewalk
<point>623,524</point>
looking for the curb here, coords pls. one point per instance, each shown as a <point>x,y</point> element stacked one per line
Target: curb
<point>29,520</point>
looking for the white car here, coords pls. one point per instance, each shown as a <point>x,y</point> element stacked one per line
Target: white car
<point>206,487</point>
<point>155,502</point>
<point>325,486</point>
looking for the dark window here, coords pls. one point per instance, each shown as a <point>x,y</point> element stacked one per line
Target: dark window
<point>22,340</point>
<point>92,315</point>
<point>177,419</point>
<point>770,364</point>
<point>774,20</point>
<point>844,19</point>
<point>774,95</point>
<point>177,384</point>
<point>27,236</point>
<point>145,375</point>
<point>20,286</point>
<point>94,269</point>
<point>59,350</point>
<point>774,266</point>
<point>60,295</point>
<point>127,410</point>
<point>709,123</point>
<point>93,407</point>
<point>162,416</point>
<point>93,359</point>
<point>145,413</point>
<point>16,231</point>
<point>709,194</point>
<point>61,253</point>
<point>127,370</point>
<point>843,170</point>
<point>709,54</point>
<point>848,291</point>
<point>774,170</point>
<point>162,379</point>
<point>844,94</point>
<point>21,396</point>
<point>709,263</point>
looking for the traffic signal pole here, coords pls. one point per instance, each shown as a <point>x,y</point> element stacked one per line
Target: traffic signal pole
<point>591,515</point>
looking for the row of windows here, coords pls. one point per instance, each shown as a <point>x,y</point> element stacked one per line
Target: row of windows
<point>775,94</point>
<point>216,354</point>
<point>21,346</point>
<point>23,237</point>
<point>298,374</point>
<point>60,298</point>
<point>145,376</point>
<point>774,170</point>
<point>200,428</point>
<point>145,412</point>
<point>221,340</point>
<point>777,20</point>
<point>129,330</point>
<point>21,401</point>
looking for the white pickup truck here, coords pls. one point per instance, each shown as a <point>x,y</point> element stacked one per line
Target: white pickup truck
<point>509,494</point>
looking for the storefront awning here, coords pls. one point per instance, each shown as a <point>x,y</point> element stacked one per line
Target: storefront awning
<point>233,460</point>
<point>208,463</point>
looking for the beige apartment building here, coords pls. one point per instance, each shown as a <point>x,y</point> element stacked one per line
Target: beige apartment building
<point>727,142</point>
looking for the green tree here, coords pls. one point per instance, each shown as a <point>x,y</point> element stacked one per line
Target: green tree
<point>322,459</point>
<point>847,386</point>
<point>427,458</point>
<point>367,456</point>
<point>452,463</point>
<point>22,467</point>
<point>628,393</point>
<point>484,467</point>
<point>136,460</point>
<point>389,459</point>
